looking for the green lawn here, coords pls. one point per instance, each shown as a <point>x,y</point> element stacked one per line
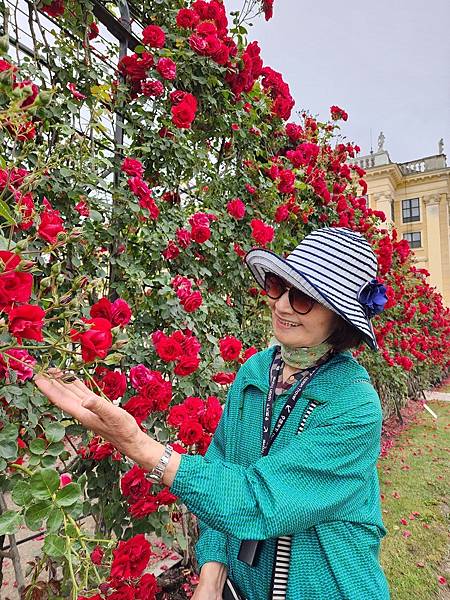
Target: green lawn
<point>415,484</point>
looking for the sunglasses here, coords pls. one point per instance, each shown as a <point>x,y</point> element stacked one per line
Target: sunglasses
<point>275,287</point>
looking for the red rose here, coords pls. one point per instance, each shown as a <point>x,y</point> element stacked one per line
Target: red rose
<point>282,213</point>
<point>177,415</point>
<point>167,68</point>
<point>112,383</point>
<point>261,233</point>
<point>136,66</point>
<point>200,234</point>
<point>183,237</point>
<point>130,557</point>
<point>139,407</point>
<point>195,407</point>
<point>30,90</point>
<point>223,378</point>
<point>15,286</point>
<point>25,206</point>
<point>139,188</point>
<point>134,485</point>
<point>236,208</point>
<point>54,9</point>
<point>147,587</point>
<point>101,309</point>
<point>166,497</point>
<point>230,348</point>
<point>97,555</point>
<point>337,113</point>
<point>268,9</point>
<point>190,432</point>
<point>149,204</point>
<point>19,361</point>
<point>287,181</point>
<point>153,36</point>
<point>139,376</point>
<point>50,223</point>
<point>132,167</point>
<point>294,132</point>
<point>152,88</point>
<point>95,341</point>
<point>213,412</point>
<point>158,390</point>
<point>187,18</point>
<point>203,444</point>
<point>249,352</point>
<point>93,30</point>
<point>120,313</point>
<point>172,251</point>
<point>143,507</point>
<point>123,592</point>
<point>168,349</point>
<point>191,345</point>
<point>192,302</point>
<point>183,113</point>
<point>198,44</point>
<point>186,366</point>
<point>82,208</point>
<point>26,321</point>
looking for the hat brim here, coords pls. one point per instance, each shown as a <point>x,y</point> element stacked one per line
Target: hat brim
<point>261,261</point>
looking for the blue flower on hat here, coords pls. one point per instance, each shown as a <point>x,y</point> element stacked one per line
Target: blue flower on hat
<point>373,297</point>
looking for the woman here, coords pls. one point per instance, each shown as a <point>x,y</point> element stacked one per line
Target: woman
<point>292,466</point>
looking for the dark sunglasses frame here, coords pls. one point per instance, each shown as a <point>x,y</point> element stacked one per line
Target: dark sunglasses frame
<point>294,294</point>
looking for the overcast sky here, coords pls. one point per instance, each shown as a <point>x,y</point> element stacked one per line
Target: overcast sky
<point>386,62</point>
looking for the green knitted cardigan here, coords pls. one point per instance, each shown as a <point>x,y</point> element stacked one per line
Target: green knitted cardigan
<point>320,486</point>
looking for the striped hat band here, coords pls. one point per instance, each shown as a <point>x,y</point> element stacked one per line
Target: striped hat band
<point>333,265</point>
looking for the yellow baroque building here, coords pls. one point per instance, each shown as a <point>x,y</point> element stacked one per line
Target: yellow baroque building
<point>415,197</point>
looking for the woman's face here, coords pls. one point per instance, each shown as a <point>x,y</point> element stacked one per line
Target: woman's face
<point>301,331</point>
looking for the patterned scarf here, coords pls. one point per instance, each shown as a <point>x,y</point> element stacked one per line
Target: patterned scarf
<point>302,358</point>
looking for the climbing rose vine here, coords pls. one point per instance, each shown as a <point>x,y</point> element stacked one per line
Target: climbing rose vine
<point>122,263</point>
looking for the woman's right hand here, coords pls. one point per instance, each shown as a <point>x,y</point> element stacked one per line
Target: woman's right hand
<point>212,580</point>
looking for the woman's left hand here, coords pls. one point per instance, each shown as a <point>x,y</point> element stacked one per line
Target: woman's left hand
<point>101,416</point>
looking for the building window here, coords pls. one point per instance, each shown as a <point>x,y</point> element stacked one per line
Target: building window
<point>414,238</point>
<point>410,210</point>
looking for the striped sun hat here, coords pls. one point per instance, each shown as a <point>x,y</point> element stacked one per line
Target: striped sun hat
<point>334,265</point>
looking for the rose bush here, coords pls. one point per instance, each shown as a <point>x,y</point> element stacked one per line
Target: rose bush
<point>122,263</point>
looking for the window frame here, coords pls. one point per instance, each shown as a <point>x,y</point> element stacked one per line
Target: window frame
<point>412,241</point>
<point>409,214</point>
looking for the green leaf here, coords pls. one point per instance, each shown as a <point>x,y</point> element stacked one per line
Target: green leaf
<point>68,495</point>
<point>21,493</point>
<point>55,432</point>
<point>6,214</point>
<point>36,513</point>
<point>8,441</point>
<point>10,522</point>
<point>54,545</point>
<point>55,449</point>
<point>3,464</point>
<point>55,519</point>
<point>44,483</point>
<point>38,446</point>
<point>48,461</point>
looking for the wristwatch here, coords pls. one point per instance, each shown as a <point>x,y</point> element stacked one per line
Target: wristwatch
<point>157,473</point>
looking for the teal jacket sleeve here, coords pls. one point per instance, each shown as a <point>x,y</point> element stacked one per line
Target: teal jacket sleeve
<point>321,476</point>
<point>211,545</point>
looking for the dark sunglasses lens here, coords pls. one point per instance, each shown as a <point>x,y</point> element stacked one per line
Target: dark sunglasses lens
<point>300,302</point>
<point>275,287</point>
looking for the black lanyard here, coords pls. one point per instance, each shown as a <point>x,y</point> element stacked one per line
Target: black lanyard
<point>249,549</point>
<point>267,437</point>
